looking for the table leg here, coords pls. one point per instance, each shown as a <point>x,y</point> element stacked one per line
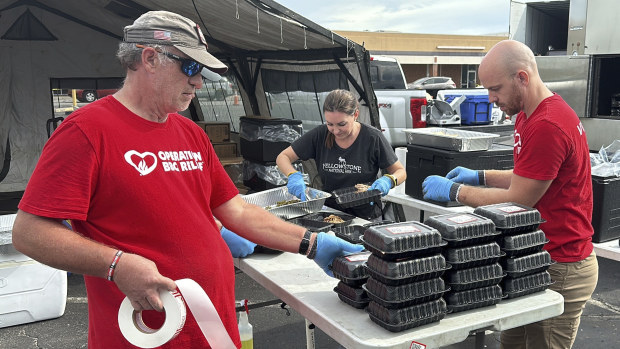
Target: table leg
<point>479,340</point>
<point>399,212</point>
<point>397,209</point>
<point>480,333</point>
<point>309,335</point>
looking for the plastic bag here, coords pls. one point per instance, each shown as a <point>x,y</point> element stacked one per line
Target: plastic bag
<point>271,132</point>
<point>606,163</point>
<point>269,173</point>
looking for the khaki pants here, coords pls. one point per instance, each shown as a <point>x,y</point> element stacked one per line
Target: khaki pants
<point>576,283</point>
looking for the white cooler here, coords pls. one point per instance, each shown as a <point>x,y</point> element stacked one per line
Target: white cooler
<point>29,290</point>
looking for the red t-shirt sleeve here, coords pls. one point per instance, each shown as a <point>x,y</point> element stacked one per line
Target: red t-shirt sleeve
<point>542,152</point>
<point>64,178</point>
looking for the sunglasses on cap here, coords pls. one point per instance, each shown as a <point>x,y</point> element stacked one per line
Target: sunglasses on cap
<point>189,67</point>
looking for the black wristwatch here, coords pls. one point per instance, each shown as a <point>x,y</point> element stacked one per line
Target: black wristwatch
<point>305,243</point>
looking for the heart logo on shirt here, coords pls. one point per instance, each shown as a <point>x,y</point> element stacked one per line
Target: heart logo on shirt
<point>144,163</point>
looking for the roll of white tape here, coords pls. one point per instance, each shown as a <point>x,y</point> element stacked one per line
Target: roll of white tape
<point>140,335</point>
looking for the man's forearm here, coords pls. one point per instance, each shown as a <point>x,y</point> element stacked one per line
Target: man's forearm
<point>498,178</point>
<point>479,196</point>
<point>263,228</point>
<point>51,243</point>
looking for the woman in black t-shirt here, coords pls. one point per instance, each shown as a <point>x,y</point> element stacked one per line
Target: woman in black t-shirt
<point>346,153</point>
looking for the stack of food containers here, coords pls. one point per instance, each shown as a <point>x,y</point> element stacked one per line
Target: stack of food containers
<point>473,254</point>
<point>404,284</point>
<point>351,272</point>
<point>526,262</point>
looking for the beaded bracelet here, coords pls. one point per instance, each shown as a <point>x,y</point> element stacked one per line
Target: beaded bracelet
<point>117,256</point>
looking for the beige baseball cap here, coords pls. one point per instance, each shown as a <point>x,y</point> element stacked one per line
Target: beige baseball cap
<point>167,28</point>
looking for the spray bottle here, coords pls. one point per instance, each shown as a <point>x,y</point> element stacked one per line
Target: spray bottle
<point>245,329</point>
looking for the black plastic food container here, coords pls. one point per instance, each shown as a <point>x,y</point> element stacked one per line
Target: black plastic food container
<point>400,296</point>
<point>510,217</point>
<point>476,277</point>
<point>351,269</point>
<point>517,287</point>
<point>320,216</point>
<point>528,264</point>
<point>352,233</point>
<point>522,244</point>
<point>470,256</point>
<point>353,296</point>
<point>311,224</point>
<point>397,320</point>
<point>474,298</point>
<point>351,197</point>
<point>463,228</point>
<point>402,240</point>
<point>405,271</point>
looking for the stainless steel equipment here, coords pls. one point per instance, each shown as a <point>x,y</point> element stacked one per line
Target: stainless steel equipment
<point>444,113</point>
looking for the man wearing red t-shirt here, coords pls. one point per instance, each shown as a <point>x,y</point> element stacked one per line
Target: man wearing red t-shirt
<point>142,186</point>
<point>551,173</point>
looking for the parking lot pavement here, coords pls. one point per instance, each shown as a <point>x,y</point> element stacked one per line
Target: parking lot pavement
<point>275,327</point>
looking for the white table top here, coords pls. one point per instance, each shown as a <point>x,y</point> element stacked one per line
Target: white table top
<point>609,249</point>
<point>406,200</point>
<point>301,284</point>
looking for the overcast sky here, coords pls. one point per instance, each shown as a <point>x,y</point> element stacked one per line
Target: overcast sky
<point>461,17</point>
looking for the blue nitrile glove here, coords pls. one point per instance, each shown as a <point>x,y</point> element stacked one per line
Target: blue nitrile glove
<point>465,176</point>
<point>439,189</point>
<point>329,247</point>
<point>296,185</point>
<point>239,246</point>
<point>384,184</point>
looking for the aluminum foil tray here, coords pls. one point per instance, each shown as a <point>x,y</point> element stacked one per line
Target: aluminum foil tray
<point>6,226</point>
<point>450,139</point>
<point>269,198</point>
<point>6,222</point>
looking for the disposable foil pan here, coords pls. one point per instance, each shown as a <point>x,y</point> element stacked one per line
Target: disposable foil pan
<point>450,139</point>
<point>6,222</point>
<point>269,198</point>
<point>6,226</point>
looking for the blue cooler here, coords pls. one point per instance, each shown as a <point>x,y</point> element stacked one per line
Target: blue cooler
<point>475,110</point>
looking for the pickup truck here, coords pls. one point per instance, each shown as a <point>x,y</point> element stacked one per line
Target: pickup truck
<point>401,108</point>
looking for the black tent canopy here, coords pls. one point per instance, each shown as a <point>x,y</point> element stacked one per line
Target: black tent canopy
<point>267,47</point>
